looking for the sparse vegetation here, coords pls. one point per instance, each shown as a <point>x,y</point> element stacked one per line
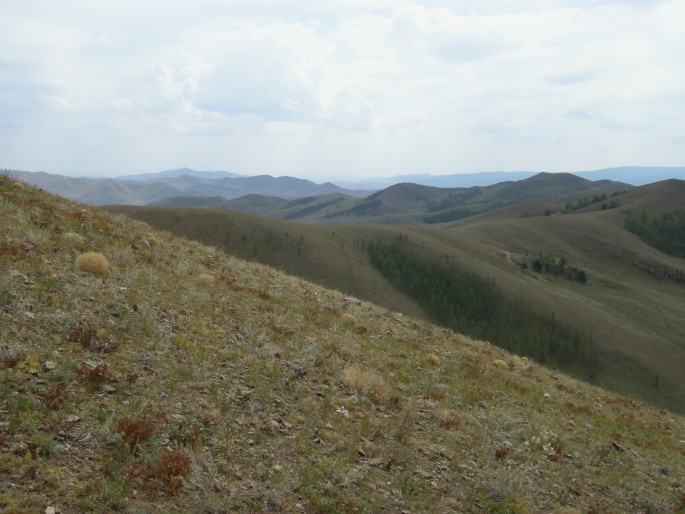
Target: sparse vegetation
<point>256,395</point>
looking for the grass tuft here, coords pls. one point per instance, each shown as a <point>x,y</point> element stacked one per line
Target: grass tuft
<point>92,262</point>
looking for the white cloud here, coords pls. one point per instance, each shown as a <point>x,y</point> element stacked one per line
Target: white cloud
<point>332,87</point>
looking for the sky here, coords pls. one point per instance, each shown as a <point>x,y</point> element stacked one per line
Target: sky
<point>340,88</point>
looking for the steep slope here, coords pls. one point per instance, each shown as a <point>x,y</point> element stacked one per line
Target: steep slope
<point>182,379</point>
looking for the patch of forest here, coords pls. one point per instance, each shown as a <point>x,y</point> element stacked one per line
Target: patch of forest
<point>312,209</point>
<point>453,200</point>
<point>557,266</point>
<point>591,200</point>
<point>472,305</point>
<point>366,208</point>
<point>665,231</point>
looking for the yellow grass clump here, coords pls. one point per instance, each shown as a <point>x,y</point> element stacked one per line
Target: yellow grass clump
<point>349,319</point>
<point>433,359</point>
<point>205,279</point>
<point>365,382</point>
<point>92,262</point>
<point>500,364</point>
<point>74,238</point>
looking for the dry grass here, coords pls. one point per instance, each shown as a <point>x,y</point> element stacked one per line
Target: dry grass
<point>433,359</point>
<point>205,279</point>
<point>76,239</point>
<point>365,382</point>
<point>92,262</point>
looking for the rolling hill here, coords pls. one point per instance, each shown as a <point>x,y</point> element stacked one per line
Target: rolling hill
<point>144,372</point>
<point>640,342</point>
<point>142,191</point>
<point>408,203</point>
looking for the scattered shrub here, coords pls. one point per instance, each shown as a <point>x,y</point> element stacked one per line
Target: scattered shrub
<point>92,262</point>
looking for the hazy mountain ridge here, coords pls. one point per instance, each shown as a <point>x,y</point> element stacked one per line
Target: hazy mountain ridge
<point>106,191</point>
<point>187,182</point>
<point>409,203</point>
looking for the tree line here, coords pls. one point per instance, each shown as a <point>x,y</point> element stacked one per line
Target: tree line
<point>470,304</point>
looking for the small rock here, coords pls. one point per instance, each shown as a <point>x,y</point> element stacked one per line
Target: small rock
<point>299,507</point>
<point>50,510</point>
<point>547,395</point>
<point>72,418</point>
<point>49,365</point>
<point>633,453</point>
<point>19,448</point>
<point>109,389</point>
<point>588,426</point>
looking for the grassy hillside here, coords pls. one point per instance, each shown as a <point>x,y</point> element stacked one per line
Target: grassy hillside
<point>161,375</point>
<point>640,342</point>
<point>408,203</point>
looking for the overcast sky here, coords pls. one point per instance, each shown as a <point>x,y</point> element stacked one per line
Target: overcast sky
<point>340,88</point>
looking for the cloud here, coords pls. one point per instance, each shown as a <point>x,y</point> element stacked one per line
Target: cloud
<point>341,86</point>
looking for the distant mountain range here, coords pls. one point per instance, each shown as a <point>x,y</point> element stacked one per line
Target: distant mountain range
<point>152,188</point>
<point>409,203</point>
<point>149,188</point>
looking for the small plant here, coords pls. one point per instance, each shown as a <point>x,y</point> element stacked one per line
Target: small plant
<point>11,359</point>
<point>53,398</point>
<point>135,430</point>
<point>77,239</point>
<point>172,466</point>
<point>433,359</point>
<point>82,333</point>
<point>548,442</point>
<point>93,374</point>
<point>43,444</point>
<point>92,262</point>
<point>365,382</point>
<point>166,471</point>
<point>349,319</point>
<point>500,364</point>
